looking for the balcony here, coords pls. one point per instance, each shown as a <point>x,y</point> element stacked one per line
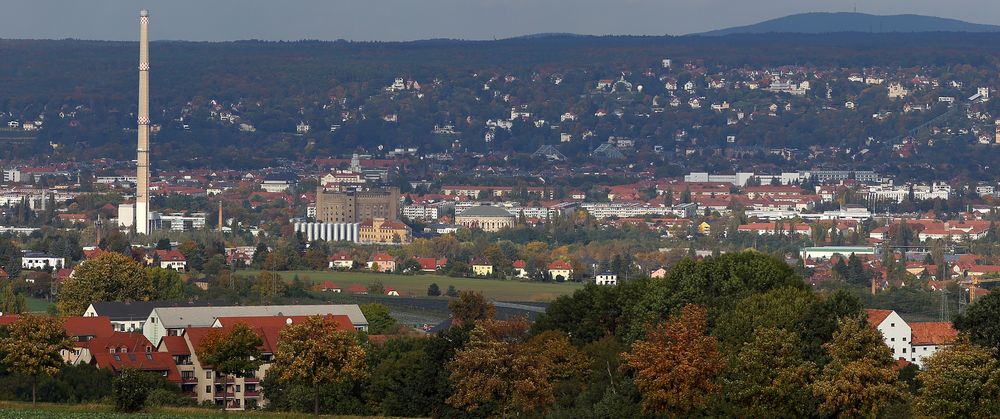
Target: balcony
<point>220,395</point>
<point>251,380</point>
<point>191,394</point>
<point>189,379</point>
<point>251,394</point>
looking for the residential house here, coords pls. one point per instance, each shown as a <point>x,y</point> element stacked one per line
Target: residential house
<point>172,259</point>
<point>560,270</point>
<point>382,262</point>
<point>329,286</point>
<point>173,321</point>
<point>481,267</point>
<point>912,342</point>
<point>606,278</point>
<point>431,264</point>
<point>383,231</point>
<point>520,269</point>
<point>341,260</point>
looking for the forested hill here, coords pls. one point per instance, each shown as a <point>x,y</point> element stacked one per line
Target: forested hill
<point>340,90</point>
<point>856,22</point>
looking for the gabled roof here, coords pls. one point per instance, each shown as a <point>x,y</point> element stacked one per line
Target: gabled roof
<point>382,257</point>
<point>932,333</point>
<point>520,264</point>
<point>876,317</point>
<point>99,326</point>
<point>183,317</point>
<point>145,361</point>
<point>175,345</point>
<point>170,256</point>
<point>132,342</point>
<point>329,285</point>
<point>560,265</point>
<point>139,310</point>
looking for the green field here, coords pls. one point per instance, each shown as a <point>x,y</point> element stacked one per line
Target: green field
<point>36,305</point>
<point>500,290</point>
<point>19,410</point>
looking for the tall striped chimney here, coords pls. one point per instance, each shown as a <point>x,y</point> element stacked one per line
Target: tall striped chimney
<point>142,163</point>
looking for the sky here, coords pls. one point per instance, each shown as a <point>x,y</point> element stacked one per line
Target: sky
<point>403,20</point>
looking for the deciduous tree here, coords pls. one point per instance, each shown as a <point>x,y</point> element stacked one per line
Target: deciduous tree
<point>859,380</point>
<point>379,320</point>
<point>960,381</point>
<point>235,351</point>
<point>470,307</point>
<point>980,322</point>
<point>676,365</point>
<point>166,283</point>
<point>315,353</point>
<point>497,369</point>
<point>109,277</point>
<point>770,378</point>
<point>31,347</point>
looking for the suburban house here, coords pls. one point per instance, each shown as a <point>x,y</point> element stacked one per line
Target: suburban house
<point>431,264</point>
<point>382,262</point>
<point>129,350</point>
<point>520,269</point>
<point>560,270</point>
<point>341,260</point>
<point>912,342</point>
<point>481,267</point>
<point>172,259</point>
<point>172,321</point>
<point>329,286</point>
<point>606,278</point>
<point>39,260</point>
<point>82,330</point>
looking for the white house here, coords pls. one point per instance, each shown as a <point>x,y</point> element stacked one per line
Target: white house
<point>38,260</point>
<point>606,278</point>
<point>912,342</point>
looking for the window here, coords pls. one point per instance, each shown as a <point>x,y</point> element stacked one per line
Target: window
<point>892,339</point>
<point>208,374</point>
<point>237,388</point>
<point>208,389</point>
<point>904,339</point>
<point>904,350</point>
<point>149,356</point>
<point>892,324</point>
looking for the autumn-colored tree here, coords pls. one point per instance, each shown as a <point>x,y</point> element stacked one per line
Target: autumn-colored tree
<point>960,381</point>
<point>235,351</point>
<point>109,277</point>
<point>497,369</point>
<point>564,358</point>
<point>470,307</point>
<point>315,353</point>
<point>676,365</point>
<point>859,380</point>
<point>268,286</point>
<point>31,347</point>
<point>770,378</point>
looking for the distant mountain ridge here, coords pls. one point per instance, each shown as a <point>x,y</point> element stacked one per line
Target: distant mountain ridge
<point>855,22</point>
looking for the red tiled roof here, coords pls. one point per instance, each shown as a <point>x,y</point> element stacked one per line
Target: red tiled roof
<point>520,264</point>
<point>7,319</point>
<point>175,345</point>
<point>876,317</point>
<point>99,326</point>
<point>92,253</point>
<point>145,361</point>
<point>132,342</point>
<point>560,265</point>
<point>328,285</point>
<point>357,288</point>
<point>382,257</point>
<point>932,333</point>
<point>170,256</point>
<point>340,256</point>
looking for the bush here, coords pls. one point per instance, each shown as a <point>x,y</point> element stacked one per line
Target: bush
<point>131,389</point>
<point>161,397</point>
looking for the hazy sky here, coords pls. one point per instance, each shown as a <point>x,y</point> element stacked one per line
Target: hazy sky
<point>215,20</point>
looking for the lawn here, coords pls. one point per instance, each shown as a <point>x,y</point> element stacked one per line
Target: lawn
<point>36,305</point>
<point>20,410</point>
<point>500,290</point>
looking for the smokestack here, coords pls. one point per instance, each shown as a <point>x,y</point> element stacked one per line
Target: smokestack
<point>142,163</point>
